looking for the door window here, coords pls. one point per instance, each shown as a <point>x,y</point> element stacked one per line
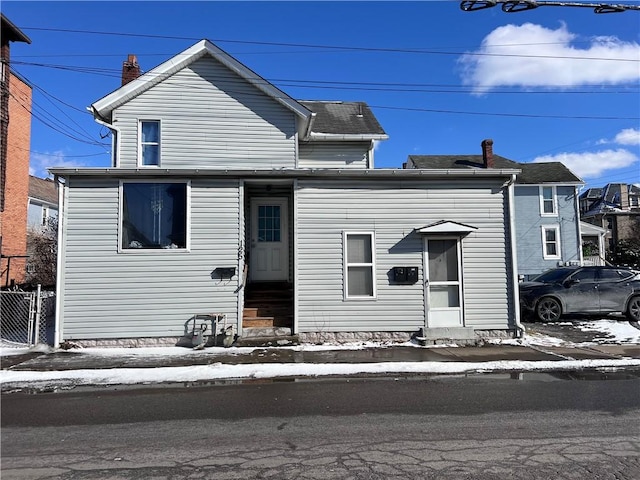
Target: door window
<point>269,229</point>
<point>444,284</point>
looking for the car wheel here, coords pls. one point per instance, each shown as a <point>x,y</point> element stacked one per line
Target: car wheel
<point>548,309</point>
<point>633,309</point>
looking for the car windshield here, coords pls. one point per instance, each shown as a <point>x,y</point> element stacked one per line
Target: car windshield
<point>555,275</point>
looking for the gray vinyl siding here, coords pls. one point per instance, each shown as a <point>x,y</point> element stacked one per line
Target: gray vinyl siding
<point>210,117</point>
<point>529,224</point>
<point>392,211</point>
<point>148,293</point>
<point>334,155</point>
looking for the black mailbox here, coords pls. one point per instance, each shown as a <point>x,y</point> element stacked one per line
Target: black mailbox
<point>412,274</point>
<point>405,274</point>
<point>223,273</point>
<point>399,274</point>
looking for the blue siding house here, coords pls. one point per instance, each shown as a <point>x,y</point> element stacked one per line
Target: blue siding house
<point>546,212</point>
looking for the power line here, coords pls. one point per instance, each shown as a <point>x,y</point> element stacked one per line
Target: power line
<point>368,86</point>
<point>514,6</point>
<point>330,47</point>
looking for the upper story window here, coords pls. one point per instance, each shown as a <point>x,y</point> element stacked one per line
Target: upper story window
<point>149,146</point>
<point>154,215</point>
<point>548,203</point>
<point>359,268</point>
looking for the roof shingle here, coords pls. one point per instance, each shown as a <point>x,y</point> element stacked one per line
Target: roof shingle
<point>532,173</point>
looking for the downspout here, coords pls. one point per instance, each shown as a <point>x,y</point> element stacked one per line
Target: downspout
<point>578,227</point>
<point>115,139</point>
<point>521,331</point>
<point>62,218</point>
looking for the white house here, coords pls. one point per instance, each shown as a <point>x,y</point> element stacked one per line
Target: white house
<point>228,196</point>
<point>43,203</point>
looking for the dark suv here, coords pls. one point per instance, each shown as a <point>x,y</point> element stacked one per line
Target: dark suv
<point>581,290</point>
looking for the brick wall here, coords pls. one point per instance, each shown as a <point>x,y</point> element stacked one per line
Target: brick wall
<point>13,220</point>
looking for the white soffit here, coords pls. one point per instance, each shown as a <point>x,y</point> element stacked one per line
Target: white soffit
<point>446,227</point>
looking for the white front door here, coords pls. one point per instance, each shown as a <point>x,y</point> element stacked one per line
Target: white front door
<point>443,282</point>
<point>269,256</point>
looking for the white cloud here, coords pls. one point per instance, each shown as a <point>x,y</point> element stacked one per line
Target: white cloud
<point>531,55</point>
<point>40,162</point>
<point>628,136</point>
<point>592,164</point>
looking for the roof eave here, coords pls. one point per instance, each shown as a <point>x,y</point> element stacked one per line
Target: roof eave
<point>314,136</point>
<point>383,173</point>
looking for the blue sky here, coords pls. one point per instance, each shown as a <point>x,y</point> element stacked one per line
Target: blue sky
<point>553,83</point>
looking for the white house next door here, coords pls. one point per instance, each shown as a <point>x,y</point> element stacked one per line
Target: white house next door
<point>443,282</point>
<point>269,254</point>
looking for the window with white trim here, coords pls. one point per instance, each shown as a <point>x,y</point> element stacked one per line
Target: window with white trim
<point>548,203</point>
<point>154,215</point>
<point>149,144</point>
<point>359,265</point>
<point>551,242</point>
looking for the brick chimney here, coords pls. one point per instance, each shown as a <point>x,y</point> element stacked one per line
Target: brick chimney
<point>487,153</point>
<point>624,196</point>
<point>130,69</point>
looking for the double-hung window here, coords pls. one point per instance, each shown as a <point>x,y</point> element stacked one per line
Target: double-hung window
<point>548,203</point>
<point>149,145</point>
<point>359,265</point>
<point>154,215</point>
<point>551,242</point>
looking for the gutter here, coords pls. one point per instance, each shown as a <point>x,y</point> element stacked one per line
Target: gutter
<point>288,173</point>
<point>521,331</point>
<point>347,137</point>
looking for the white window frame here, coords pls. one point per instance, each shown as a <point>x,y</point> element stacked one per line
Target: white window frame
<point>545,254</point>
<point>554,200</point>
<point>141,143</point>
<point>346,265</point>
<point>45,215</point>
<point>151,251</point>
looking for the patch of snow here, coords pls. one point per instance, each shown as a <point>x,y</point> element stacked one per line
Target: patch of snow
<point>219,371</point>
<point>613,331</point>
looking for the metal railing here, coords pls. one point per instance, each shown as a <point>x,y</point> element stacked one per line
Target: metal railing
<point>26,318</point>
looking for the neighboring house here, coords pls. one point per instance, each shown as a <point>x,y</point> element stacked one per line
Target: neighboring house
<point>616,208</point>
<point>547,223</point>
<point>593,244</point>
<point>43,203</point>
<point>228,196</point>
<point>15,139</point>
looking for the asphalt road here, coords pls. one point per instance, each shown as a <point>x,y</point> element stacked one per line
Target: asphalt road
<point>480,427</point>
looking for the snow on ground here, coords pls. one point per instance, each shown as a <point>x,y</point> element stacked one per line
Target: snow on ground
<point>219,371</point>
<point>620,332</point>
<point>611,331</point>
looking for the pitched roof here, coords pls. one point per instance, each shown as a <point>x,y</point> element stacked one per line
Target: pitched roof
<point>608,199</point>
<point>107,104</point>
<point>532,173</point>
<point>10,33</point>
<point>43,189</point>
<point>321,120</point>
<point>350,119</point>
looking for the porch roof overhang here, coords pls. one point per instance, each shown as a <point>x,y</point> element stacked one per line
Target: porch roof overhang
<point>287,173</point>
<point>590,229</point>
<point>446,227</point>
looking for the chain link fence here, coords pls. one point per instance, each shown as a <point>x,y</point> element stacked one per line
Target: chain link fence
<point>27,318</point>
